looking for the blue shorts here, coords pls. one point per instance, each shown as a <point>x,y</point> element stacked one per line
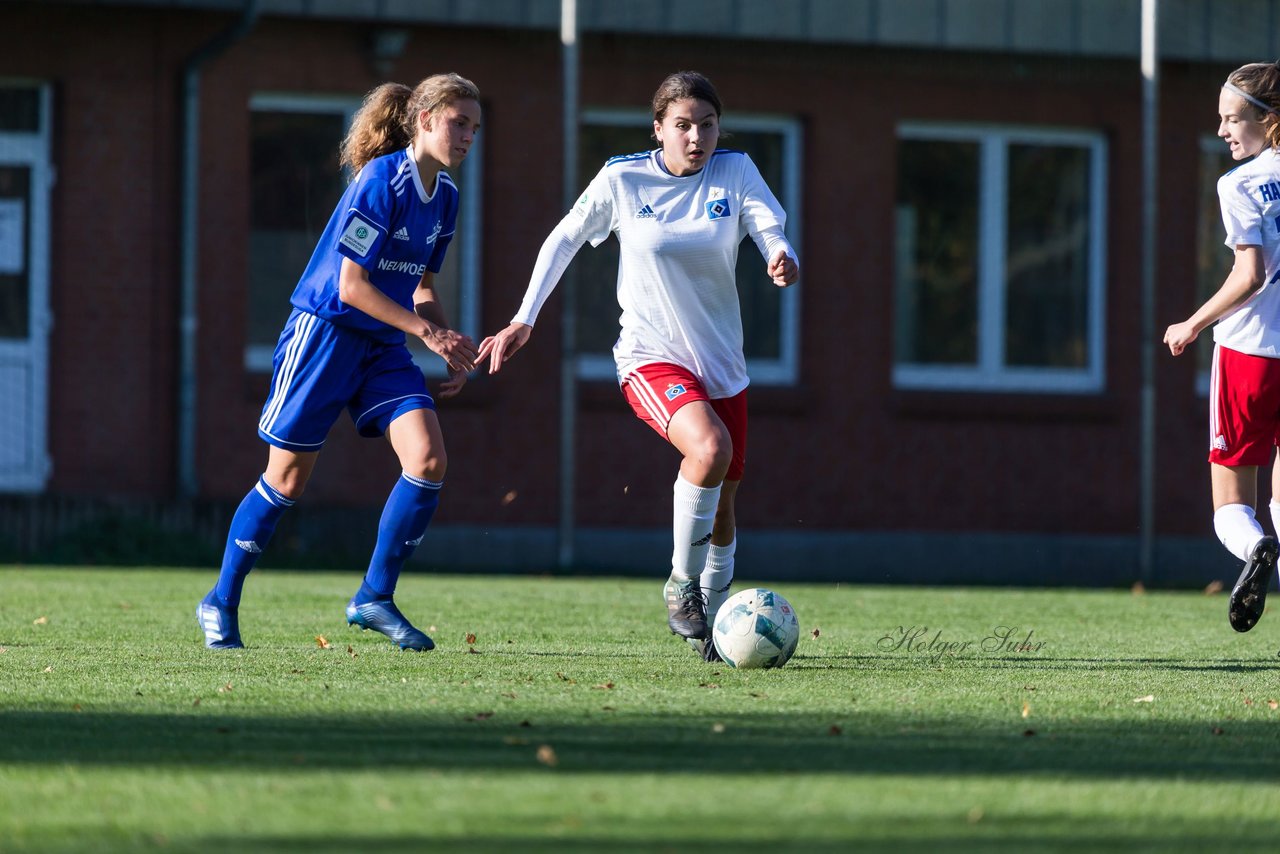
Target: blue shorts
<point>318,368</point>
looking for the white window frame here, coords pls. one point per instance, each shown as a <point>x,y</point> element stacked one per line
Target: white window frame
<point>784,370</point>
<point>33,149</point>
<point>991,373</point>
<point>464,317</point>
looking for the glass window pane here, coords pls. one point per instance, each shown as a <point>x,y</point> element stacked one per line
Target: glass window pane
<point>19,109</point>
<point>1047,255</point>
<point>296,182</point>
<point>759,297</point>
<point>1214,258</point>
<point>936,292</point>
<point>15,251</point>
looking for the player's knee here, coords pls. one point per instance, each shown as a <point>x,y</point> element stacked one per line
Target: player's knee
<point>713,454</point>
<point>291,484</point>
<point>430,466</point>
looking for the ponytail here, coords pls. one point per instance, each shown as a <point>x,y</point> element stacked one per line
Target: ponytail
<point>387,121</point>
<point>378,127</point>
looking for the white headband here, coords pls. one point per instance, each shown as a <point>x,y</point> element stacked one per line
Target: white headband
<point>1261,105</point>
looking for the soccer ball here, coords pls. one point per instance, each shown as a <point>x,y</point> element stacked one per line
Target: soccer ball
<point>756,628</point>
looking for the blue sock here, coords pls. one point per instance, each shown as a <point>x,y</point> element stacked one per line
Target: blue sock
<point>404,522</point>
<point>251,530</point>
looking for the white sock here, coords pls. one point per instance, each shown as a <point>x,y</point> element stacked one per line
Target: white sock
<point>1238,529</point>
<point>717,577</point>
<point>695,513</point>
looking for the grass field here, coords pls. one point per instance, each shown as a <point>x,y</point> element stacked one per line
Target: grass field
<point>909,721</point>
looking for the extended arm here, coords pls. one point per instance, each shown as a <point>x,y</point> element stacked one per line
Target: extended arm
<point>561,245</point>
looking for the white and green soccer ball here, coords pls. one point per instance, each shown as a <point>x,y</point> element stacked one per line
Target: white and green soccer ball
<point>756,628</point>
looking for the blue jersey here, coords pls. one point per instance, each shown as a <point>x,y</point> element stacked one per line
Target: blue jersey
<point>391,225</point>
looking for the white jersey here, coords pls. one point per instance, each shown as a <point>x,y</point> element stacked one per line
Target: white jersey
<point>1250,198</point>
<point>679,238</point>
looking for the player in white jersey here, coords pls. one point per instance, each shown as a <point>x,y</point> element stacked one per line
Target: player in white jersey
<point>369,283</point>
<point>1244,405</point>
<point>680,213</point>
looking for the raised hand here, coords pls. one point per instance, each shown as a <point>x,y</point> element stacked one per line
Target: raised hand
<point>498,348</point>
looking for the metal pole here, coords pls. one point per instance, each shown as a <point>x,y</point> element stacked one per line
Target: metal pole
<point>189,236</point>
<point>568,302</point>
<point>1150,149</point>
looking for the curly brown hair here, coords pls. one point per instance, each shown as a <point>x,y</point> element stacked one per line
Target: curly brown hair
<point>387,120</point>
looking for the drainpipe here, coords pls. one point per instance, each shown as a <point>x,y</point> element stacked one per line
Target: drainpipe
<point>188,486</point>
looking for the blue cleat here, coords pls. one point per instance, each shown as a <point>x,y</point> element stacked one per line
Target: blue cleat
<point>221,625</point>
<point>383,616</point>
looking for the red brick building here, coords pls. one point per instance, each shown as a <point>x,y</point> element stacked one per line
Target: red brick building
<point>952,392</point>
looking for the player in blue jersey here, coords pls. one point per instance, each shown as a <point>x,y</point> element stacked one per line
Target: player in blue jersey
<point>1244,406</point>
<point>680,213</point>
<point>369,283</point>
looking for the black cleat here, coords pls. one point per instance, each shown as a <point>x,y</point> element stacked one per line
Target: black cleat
<point>686,608</point>
<point>1249,596</point>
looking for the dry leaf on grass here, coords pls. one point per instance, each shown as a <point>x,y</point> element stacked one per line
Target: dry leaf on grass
<point>1138,588</point>
<point>835,730</point>
<point>1273,704</point>
<point>815,633</point>
<point>1150,698</point>
<point>323,642</point>
<point>1213,587</point>
<point>607,686</point>
<point>40,621</point>
<point>351,652</point>
<point>225,689</point>
<point>48,669</point>
<point>471,637</point>
<point>547,756</point>
<point>1026,710</point>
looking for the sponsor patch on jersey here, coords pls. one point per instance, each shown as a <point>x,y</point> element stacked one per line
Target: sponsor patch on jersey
<point>358,237</point>
<point>717,209</point>
<point>675,390</point>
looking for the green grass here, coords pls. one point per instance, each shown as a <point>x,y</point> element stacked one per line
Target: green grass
<point>579,724</point>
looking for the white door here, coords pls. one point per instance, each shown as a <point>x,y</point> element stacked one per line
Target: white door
<point>26,179</point>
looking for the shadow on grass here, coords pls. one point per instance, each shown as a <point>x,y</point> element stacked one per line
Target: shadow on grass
<point>616,742</point>
<point>916,840</point>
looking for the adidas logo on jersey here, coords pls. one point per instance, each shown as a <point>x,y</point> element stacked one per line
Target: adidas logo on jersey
<point>402,234</point>
<point>645,212</point>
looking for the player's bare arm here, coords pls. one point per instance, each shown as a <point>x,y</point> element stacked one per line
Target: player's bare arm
<point>427,304</point>
<point>1242,282</point>
<point>498,348</point>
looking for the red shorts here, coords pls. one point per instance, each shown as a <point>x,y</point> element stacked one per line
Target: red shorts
<point>657,390</point>
<point>1244,408</point>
